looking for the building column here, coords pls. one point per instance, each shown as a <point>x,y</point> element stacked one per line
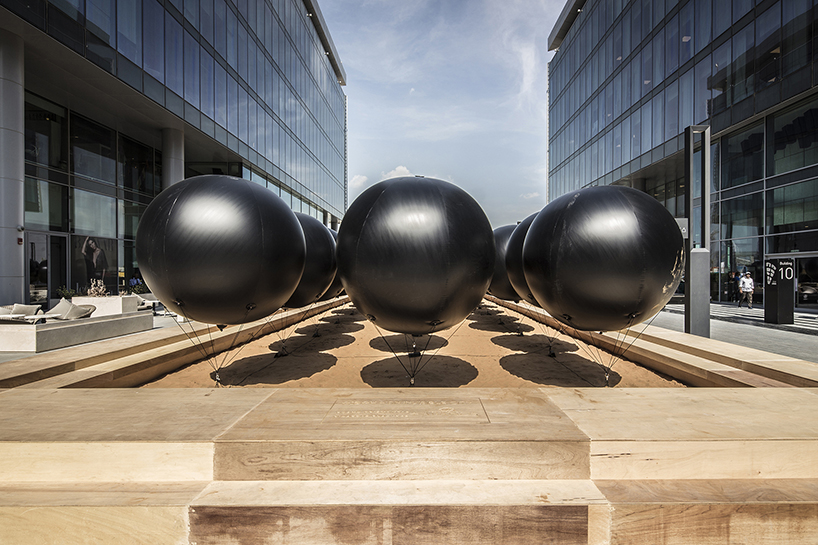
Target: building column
<point>173,157</point>
<point>12,169</point>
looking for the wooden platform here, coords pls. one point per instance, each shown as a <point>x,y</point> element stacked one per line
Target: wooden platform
<point>590,466</point>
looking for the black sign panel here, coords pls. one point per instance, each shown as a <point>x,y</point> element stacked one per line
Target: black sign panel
<point>779,291</point>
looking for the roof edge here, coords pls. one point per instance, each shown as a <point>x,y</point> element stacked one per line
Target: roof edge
<point>566,19</point>
<point>323,33</point>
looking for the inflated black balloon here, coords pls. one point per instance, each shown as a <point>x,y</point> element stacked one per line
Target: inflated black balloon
<point>500,286</point>
<point>336,288</point>
<point>220,250</point>
<point>320,265</point>
<point>603,258</point>
<point>514,260</point>
<point>415,254</point>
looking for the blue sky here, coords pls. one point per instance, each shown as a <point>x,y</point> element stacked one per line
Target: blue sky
<point>451,89</point>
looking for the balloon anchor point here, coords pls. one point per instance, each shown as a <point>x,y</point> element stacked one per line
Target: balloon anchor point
<point>282,352</point>
<point>414,354</point>
<point>412,381</point>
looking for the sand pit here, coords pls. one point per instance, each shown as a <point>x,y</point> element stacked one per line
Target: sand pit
<point>341,349</point>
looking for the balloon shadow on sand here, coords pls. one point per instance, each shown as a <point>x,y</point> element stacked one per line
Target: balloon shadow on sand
<point>402,344</point>
<point>439,372</point>
<point>567,367</point>
<point>571,370</point>
<point>499,323</point>
<point>269,369</point>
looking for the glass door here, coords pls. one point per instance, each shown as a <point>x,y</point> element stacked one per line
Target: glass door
<point>806,273</point>
<point>47,263</point>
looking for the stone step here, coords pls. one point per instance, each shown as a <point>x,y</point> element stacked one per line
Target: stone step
<point>694,360</point>
<point>601,512</point>
<point>152,355</point>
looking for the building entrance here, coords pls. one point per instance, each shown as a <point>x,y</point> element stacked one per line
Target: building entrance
<point>806,282</point>
<point>46,267</point>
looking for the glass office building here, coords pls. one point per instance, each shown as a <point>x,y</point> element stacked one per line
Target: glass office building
<point>629,76</point>
<point>103,103</point>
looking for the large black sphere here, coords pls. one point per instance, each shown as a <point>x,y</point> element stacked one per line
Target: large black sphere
<point>415,254</point>
<point>514,260</point>
<point>220,250</point>
<point>603,258</point>
<point>320,265</point>
<point>336,288</point>
<point>500,285</point>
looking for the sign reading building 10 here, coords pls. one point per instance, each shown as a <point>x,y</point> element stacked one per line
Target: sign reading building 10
<point>779,269</point>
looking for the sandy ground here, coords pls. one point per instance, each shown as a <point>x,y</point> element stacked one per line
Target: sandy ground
<point>341,349</point>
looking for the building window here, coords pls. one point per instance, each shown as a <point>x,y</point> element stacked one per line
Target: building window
<point>796,137</point>
<point>742,217</point>
<point>744,157</point>
<point>93,150</point>
<point>46,133</point>
<point>793,207</point>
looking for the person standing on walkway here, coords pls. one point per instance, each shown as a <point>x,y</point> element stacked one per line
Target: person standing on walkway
<point>746,286</point>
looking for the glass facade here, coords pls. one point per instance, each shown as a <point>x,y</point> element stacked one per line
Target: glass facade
<point>253,75</point>
<point>255,84</point>
<point>746,68</point>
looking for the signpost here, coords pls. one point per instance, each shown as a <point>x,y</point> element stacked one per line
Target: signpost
<point>697,262</point>
<point>779,285</point>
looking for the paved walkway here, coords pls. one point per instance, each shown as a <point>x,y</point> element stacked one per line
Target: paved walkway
<point>746,327</point>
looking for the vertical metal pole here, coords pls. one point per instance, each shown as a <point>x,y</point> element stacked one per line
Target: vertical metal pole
<point>697,264</point>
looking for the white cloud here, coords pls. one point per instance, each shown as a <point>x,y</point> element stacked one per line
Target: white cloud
<point>358,181</point>
<point>530,195</point>
<point>397,171</point>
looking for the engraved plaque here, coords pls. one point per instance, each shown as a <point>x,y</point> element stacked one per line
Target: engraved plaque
<point>439,410</point>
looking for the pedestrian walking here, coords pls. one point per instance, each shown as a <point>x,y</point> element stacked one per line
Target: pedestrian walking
<point>746,287</point>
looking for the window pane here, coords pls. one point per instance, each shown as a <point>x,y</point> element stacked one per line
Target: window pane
<point>100,19</point>
<point>129,29</point>
<point>744,157</point>
<point>672,46</point>
<point>192,12</point>
<point>207,89</point>
<point>135,165</point>
<point>93,214</point>
<point>742,78</point>
<point>659,58</point>
<point>93,150</point>
<point>796,51</point>
<point>686,33</point>
<point>742,216</point>
<point>721,17</point>
<point>793,207</point>
<point>658,119</point>
<point>768,38</point>
<point>191,70</point>
<point>220,28</point>
<point>154,39</point>
<point>46,206</point>
<point>671,110</point>
<point>232,105</point>
<point>647,127</point>
<point>702,20</point>
<point>702,93</point>
<point>740,8</point>
<point>221,94</point>
<point>721,74</point>
<point>796,137</point>
<point>46,137</point>
<point>206,15</point>
<point>647,70</point>
<point>174,57</point>
<point>232,38</point>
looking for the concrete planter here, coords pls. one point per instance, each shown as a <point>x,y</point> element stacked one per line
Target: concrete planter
<point>109,306</point>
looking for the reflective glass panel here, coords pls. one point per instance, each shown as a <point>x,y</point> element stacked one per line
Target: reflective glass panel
<point>793,207</point>
<point>744,157</point>
<point>93,150</point>
<point>46,206</point>
<point>46,133</point>
<point>153,45</point>
<point>796,137</point>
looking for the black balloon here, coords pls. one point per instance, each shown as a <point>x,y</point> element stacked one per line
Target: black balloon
<point>415,254</point>
<point>320,265</point>
<point>220,250</point>
<point>336,288</point>
<point>500,285</point>
<point>514,260</point>
<point>603,258</point>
